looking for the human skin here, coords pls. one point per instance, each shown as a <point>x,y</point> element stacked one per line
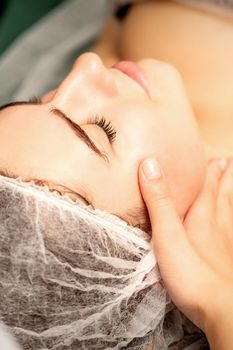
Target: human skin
<point>199,250</point>
<point>198,43</point>
<point>35,144</point>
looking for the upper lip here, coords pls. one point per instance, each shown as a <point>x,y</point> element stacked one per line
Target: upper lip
<point>135,72</point>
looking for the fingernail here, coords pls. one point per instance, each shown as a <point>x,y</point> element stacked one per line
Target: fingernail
<point>222,163</point>
<point>151,169</point>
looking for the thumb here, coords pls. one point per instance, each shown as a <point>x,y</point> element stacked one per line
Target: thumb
<point>167,228</point>
<point>178,262</point>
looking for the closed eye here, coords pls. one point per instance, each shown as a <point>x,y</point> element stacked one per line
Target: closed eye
<point>105,125</point>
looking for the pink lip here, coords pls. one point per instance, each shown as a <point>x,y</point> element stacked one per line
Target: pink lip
<point>135,72</point>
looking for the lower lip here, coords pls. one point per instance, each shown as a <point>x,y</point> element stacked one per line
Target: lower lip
<point>134,71</point>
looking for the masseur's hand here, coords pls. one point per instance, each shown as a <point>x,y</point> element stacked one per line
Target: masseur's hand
<point>195,256</point>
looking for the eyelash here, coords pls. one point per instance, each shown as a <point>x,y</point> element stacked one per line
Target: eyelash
<point>100,121</point>
<point>105,125</point>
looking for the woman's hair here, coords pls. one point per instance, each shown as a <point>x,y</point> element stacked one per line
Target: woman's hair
<point>136,216</point>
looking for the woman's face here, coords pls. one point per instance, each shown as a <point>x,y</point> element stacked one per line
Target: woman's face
<point>38,142</point>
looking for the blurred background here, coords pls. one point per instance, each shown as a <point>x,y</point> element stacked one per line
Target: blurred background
<point>18,15</point>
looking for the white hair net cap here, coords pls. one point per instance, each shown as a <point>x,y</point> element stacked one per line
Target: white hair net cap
<point>74,278</point>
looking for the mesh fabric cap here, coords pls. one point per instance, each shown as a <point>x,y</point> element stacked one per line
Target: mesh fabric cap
<point>72,278</point>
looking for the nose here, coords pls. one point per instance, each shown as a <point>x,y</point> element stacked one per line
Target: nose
<point>95,73</point>
<point>88,79</point>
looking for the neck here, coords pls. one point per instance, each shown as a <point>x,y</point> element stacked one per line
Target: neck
<point>217,134</point>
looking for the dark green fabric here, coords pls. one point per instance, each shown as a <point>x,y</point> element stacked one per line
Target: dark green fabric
<point>20,15</point>
<point>2,7</point>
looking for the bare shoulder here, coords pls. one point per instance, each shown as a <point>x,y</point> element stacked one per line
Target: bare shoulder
<point>158,28</point>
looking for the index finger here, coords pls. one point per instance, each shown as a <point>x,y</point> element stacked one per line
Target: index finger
<point>167,229</point>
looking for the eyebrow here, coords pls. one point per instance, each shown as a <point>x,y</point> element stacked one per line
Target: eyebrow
<point>79,132</point>
<point>74,126</point>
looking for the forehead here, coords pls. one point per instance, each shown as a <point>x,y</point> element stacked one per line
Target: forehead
<point>30,135</point>
<point>16,114</point>
<point>19,114</point>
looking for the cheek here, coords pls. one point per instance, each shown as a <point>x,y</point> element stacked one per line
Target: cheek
<point>136,126</point>
<point>115,189</point>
